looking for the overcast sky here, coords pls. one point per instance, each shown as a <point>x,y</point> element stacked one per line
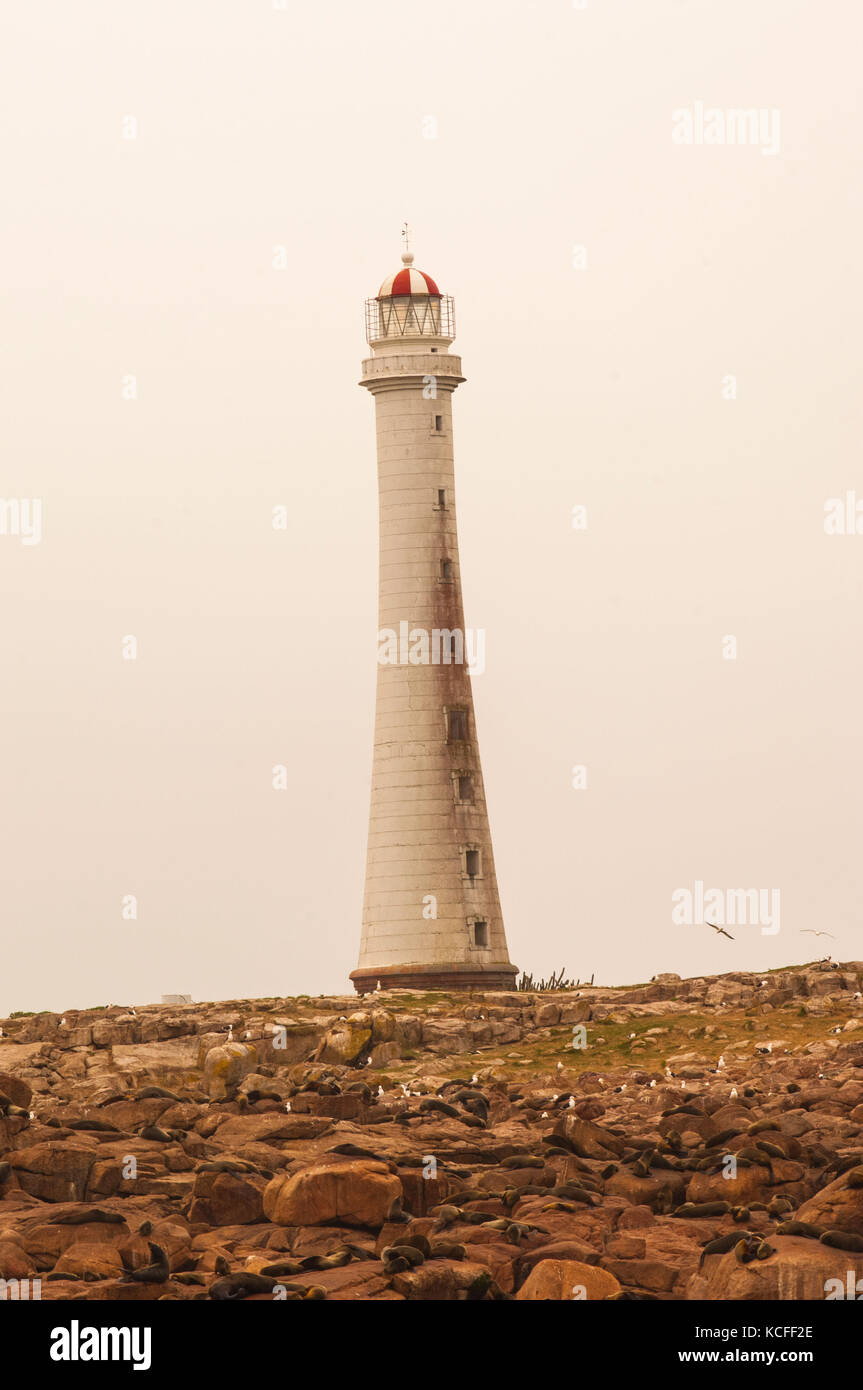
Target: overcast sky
<point>509,134</point>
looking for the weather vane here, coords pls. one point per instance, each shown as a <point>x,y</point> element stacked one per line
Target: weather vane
<point>406,236</point>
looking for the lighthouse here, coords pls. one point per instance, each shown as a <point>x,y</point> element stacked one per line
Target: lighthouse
<point>431,912</point>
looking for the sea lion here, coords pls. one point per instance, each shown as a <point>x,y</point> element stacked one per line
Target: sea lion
<point>277,1269</point>
<point>155,1134</point>
<point>97,1126</point>
<point>745,1249</point>
<point>354,1151</point>
<point>722,1244</point>
<point>855,1177</point>
<point>724,1136</point>
<point>772,1150</point>
<point>240,1285</point>
<point>319,1262</point>
<point>780,1206</point>
<point>155,1093</point>
<point>221,1265</point>
<point>145,1228</point>
<point>843,1240</point>
<point>409,1253</point>
<point>752,1155</point>
<point>157,1272</point>
<point>431,1105</point>
<point>799,1228</point>
<point>521,1161</point>
<point>5,1170</point>
<point>445,1216</point>
<point>699,1209</point>
<point>226,1165</point>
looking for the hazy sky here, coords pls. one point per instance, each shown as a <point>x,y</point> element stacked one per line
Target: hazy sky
<point>508,134</point>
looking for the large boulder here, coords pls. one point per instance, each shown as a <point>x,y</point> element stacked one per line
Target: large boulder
<point>838,1207</point>
<point>353,1192</point>
<point>567,1279</point>
<point>225,1067</point>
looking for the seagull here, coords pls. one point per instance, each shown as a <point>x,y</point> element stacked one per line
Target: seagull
<point>230,1033</point>
<point>810,931</point>
<point>380,1090</point>
<point>668,1072</point>
<point>733,1092</point>
<point>287,1105</point>
<point>571,1105</point>
<point>720,930</point>
<point>544,1115</point>
<point>720,1064</point>
<point>475,1078</point>
<point>248,1035</point>
<point>653,1083</point>
<point>560,1066</point>
<point>631,1036</point>
<point>62,1021</point>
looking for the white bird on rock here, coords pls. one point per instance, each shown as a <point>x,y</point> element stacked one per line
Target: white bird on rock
<point>733,1092</point>
<point>571,1105</point>
<point>560,1066</point>
<point>474,1079</point>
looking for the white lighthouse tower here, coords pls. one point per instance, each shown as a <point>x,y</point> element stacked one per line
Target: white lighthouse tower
<point>431,915</point>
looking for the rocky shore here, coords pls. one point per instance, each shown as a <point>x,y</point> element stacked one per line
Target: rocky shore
<point>680,1139</point>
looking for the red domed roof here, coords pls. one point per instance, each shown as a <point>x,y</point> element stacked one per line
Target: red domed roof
<point>408,282</point>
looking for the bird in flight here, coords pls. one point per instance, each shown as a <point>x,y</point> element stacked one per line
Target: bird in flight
<point>810,931</point>
<point>720,930</point>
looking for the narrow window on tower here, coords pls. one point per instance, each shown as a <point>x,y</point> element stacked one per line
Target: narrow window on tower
<point>465,787</point>
<point>456,725</point>
<point>438,424</point>
<point>480,933</point>
<point>446,569</point>
<point>441,499</point>
<point>472,863</point>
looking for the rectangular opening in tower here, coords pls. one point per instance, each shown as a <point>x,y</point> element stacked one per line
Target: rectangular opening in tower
<point>465,787</point>
<point>480,933</point>
<point>472,862</point>
<point>456,725</point>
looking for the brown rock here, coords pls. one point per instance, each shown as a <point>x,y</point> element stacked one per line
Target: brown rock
<point>559,1279</point>
<point>356,1192</point>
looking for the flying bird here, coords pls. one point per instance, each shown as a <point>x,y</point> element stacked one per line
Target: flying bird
<point>809,931</point>
<point>720,930</point>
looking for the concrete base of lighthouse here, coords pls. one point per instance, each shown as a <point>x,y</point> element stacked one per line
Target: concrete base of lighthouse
<point>468,976</point>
